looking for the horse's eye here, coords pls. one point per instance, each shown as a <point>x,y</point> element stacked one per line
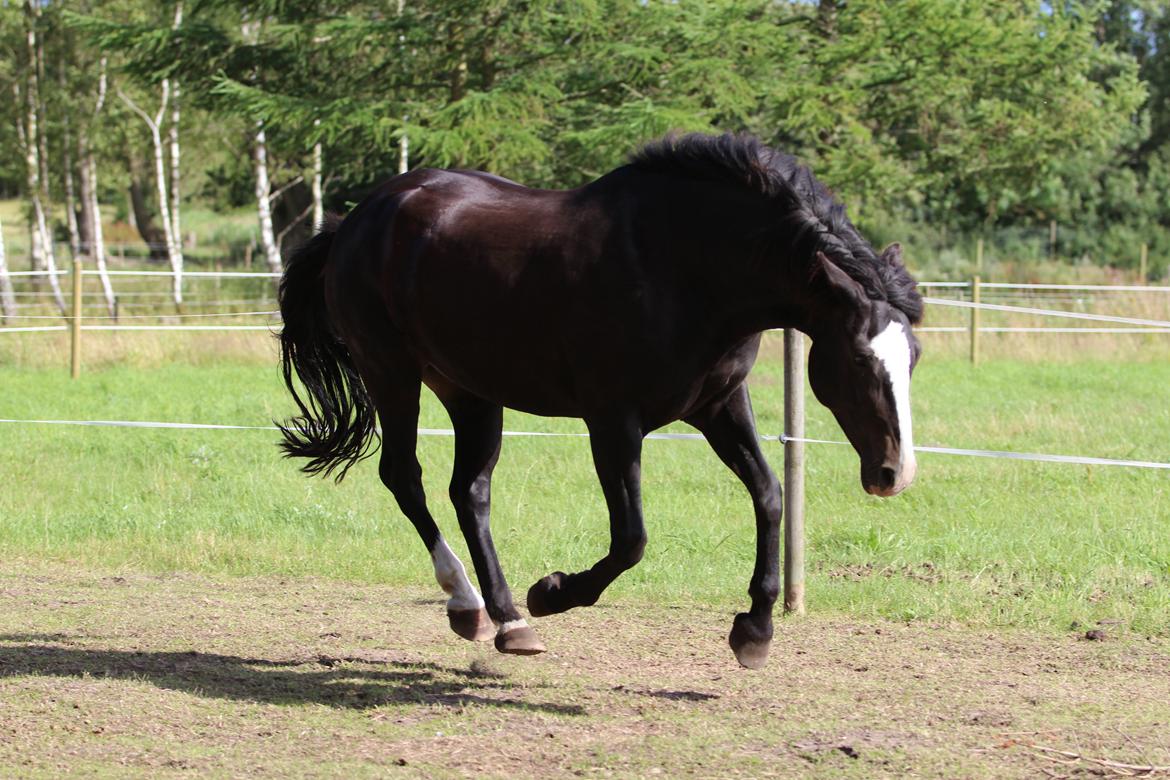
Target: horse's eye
<point>861,360</point>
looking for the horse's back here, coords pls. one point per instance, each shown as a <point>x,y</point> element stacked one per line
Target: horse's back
<point>540,300</point>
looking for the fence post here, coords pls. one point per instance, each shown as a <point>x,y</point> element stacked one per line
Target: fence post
<point>1142,263</point>
<point>794,472</point>
<point>975,320</point>
<point>979,256</point>
<point>75,323</point>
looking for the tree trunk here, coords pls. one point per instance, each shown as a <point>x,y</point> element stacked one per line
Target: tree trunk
<point>264,208</point>
<point>7,299</point>
<point>140,214</point>
<point>174,252</point>
<point>318,195</point>
<point>176,176</point>
<point>403,141</point>
<point>90,208</point>
<point>91,216</point>
<point>43,258</point>
<point>70,200</point>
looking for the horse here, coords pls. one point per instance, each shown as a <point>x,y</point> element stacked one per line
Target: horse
<point>631,302</point>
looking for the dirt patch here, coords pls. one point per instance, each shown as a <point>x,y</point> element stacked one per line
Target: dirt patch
<point>132,675</point>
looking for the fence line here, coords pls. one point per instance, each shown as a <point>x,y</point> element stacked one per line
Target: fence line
<point>962,329</point>
<point>143,316</point>
<point>1042,457</point>
<point>1074,315</point>
<point>190,274</point>
<point>1030,286</point>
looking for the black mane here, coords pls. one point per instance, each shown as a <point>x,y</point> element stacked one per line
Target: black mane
<point>815,219</point>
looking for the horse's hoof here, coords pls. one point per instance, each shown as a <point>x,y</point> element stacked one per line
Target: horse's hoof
<point>473,624</point>
<point>547,596</point>
<point>520,640</point>
<point>749,641</point>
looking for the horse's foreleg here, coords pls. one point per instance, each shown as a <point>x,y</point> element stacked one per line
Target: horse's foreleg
<point>617,452</point>
<point>478,431</point>
<point>731,430</point>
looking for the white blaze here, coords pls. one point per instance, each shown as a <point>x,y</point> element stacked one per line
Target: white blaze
<point>892,348</point>
<point>453,579</point>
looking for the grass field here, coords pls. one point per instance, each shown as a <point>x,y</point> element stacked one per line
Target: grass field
<point>981,542</point>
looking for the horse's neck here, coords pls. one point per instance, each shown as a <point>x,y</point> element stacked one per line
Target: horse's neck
<point>749,270</point>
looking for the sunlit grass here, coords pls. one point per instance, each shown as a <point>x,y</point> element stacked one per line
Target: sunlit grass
<point>979,541</point>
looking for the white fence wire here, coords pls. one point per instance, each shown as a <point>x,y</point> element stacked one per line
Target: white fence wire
<point>1042,457</point>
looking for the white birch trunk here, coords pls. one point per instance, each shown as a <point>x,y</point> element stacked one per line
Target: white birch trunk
<point>318,194</point>
<point>91,209</point>
<point>176,176</point>
<point>264,208</point>
<point>7,299</point>
<point>404,141</point>
<point>174,252</point>
<point>42,243</point>
<point>91,213</point>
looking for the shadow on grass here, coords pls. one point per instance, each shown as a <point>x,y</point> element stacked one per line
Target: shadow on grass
<point>351,683</point>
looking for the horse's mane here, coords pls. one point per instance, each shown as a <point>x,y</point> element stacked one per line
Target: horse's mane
<point>813,218</point>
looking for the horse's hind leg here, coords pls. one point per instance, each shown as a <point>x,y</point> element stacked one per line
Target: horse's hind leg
<point>617,450</point>
<point>395,391</point>
<point>731,430</point>
<point>478,431</point>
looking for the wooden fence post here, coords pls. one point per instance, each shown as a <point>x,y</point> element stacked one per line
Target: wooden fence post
<point>75,323</point>
<point>1143,263</point>
<point>979,256</point>
<point>794,472</point>
<point>975,320</point>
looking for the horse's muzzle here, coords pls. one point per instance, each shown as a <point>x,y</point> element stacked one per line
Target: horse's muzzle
<point>890,479</point>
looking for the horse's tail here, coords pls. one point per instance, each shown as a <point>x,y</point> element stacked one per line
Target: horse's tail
<point>336,424</point>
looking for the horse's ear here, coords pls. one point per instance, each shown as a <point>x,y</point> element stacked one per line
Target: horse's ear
<point>827,277</point>
<point>893,254</point>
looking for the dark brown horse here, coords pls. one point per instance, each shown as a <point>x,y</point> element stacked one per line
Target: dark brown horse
<point>632,302</point>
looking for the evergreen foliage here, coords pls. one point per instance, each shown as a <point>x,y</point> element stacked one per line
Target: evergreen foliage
<point>962,116</point>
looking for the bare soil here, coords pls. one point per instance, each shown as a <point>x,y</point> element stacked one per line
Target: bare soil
<point>121,674</point>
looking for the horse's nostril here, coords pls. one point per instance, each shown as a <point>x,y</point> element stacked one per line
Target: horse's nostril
<point>888,475</point>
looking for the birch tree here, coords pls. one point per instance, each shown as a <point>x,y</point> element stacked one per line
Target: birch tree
<point>154,124</point>
<point>176,171</point>
<point>168,202</point>
<point>318,189</point>
<point>263,199</point>
<point>43,258</point>
<point>67,168</point>
<point>91,216</point>
<point>7,299</point>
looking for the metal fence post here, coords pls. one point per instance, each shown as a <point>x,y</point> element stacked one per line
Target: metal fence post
<point>794,472</point>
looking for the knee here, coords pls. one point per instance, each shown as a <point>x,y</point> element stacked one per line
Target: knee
<point>628,548</point>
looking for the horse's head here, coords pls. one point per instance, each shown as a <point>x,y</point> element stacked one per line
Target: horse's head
<point>863,352</point>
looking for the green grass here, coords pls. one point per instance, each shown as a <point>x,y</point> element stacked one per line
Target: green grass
<point>978,541</point>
